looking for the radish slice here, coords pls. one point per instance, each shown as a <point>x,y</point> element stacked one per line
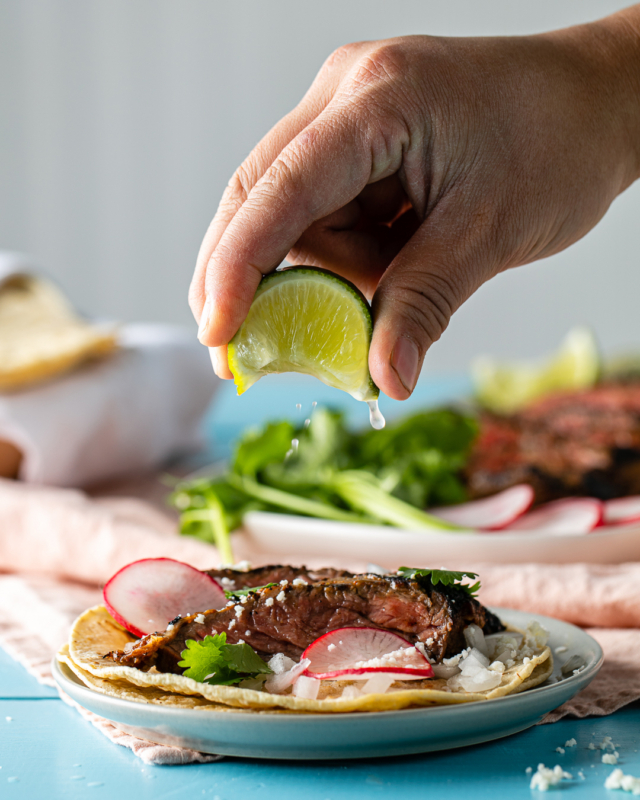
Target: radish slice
<point>146,595</point>
<point>621,510</point>
<point>359,653</point>
<point>490,513</point>
<point>574,515</point>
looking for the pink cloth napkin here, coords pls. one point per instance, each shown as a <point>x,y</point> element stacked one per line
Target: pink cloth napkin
<point>58,546</point>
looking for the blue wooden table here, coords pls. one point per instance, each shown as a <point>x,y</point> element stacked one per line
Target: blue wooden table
<point>48,751</point>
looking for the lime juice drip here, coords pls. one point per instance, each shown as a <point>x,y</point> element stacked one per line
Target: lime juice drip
<point>375,416</point>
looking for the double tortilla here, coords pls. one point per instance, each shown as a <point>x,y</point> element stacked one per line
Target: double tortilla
<point>95,633</point>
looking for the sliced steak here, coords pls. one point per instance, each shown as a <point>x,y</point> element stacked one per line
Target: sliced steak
<point>233,579</point>
<point>572,443</point>
<point>286,619</point>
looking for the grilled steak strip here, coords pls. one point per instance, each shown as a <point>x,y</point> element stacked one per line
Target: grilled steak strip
<point>572,443</point>
<point>286,619</point>
<point>233,579</point>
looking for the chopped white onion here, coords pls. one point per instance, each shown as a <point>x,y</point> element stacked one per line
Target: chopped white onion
<point>444,671</point>
<point>378,683</point>
<point>474,637</point>
<point>350,692</point>
<point>276,684</point>
<point>307,688</point>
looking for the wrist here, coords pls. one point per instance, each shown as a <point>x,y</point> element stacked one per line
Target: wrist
<point>610,53</point>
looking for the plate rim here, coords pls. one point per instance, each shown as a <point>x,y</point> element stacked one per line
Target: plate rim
<point>601,532</point>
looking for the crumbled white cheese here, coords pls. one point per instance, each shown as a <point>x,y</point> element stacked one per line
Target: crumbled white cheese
<point>199,618</point>
<point>280,597</point>
<point>284,583</point>
<point>230,603</point>
<point>560,750</point>
<point>9,719</point>
<point>227,583</point>
<point>544,778</point>
<point>299,582</point>
<point>331,648</point>
<point>429,642</point>
<point>529,770</point>
<point>269,602</point>
<point>239,610</point>
<point>244,599</point>
<point>570,743</point>
<point>242,566</point>
<point>618,780</point>
<point>247,633</point>
<point>232,624</point>
<point>404,657</point>
<point>497,666</point>
<point>609,758</point>
<point>170,627</point>
<point>581,775</point>
<point>240,641</point>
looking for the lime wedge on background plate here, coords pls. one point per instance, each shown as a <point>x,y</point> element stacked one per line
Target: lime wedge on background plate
<point>507,387</point>
<point>306,320</point>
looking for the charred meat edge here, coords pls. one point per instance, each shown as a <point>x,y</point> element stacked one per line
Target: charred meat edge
<point>286,619</point>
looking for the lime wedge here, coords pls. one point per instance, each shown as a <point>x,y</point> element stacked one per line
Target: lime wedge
<point>310,321</point>
<point>508,387</point>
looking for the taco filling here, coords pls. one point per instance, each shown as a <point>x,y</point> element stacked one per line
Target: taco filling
<point>322,640</point>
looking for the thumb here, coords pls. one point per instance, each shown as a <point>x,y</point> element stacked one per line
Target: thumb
<point>429,279</point>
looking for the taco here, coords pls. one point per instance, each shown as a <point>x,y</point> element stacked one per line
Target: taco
<point>323,641</point>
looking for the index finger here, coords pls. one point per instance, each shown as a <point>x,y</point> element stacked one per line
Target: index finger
<point>321,170</point>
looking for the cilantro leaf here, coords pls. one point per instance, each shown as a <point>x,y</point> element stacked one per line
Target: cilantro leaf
<point>445,577</point>
<point>214,661</point>
<point>204,657</point>
<point>247,591</point>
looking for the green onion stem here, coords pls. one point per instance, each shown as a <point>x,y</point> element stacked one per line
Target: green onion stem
<point>368,496</point>
<point>214,515</point>
<point>291,502</point>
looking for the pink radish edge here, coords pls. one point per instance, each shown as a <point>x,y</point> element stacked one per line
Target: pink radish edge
<point>614,513</point>
<point>489,513</point>
<point>571,515</point>
<point>362,644</point>
<point>131,601</point>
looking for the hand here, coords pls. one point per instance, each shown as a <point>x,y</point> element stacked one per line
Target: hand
<point>419,168</point>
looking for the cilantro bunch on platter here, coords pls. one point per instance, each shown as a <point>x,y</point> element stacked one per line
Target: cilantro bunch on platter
<point>213,661</point>
<point>383,477</point>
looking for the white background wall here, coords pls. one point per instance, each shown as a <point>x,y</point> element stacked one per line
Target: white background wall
<point>122,120</point>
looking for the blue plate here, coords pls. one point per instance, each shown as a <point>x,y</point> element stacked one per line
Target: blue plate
<point>268,734</point>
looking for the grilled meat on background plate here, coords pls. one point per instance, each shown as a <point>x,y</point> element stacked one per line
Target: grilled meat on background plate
<point>574,443</point>
<point>286,619</point>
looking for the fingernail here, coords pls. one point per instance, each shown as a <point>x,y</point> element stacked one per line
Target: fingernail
<point>405,359</point>
<point>205,317</point>
<point>214,359</point>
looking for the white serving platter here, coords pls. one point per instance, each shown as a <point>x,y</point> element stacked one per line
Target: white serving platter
<point>353,735</point>
<point>280,535</point>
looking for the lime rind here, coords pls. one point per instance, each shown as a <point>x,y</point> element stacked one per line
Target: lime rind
<point>508,387</point>
<point>309,321</point>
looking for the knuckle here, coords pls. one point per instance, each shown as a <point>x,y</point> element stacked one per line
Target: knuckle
<point>340,57</point>
<point>385,64</point>
<point>428,302</point>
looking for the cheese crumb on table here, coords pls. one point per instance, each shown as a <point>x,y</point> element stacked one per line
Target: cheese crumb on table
<point>618,780</point>
<point>570,743</point>
<point>545,778</point>
<point>560,750</point>
<point>609,758</point>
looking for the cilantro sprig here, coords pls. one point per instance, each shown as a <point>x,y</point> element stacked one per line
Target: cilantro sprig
<point>213,661</point>
<point>445,577</point>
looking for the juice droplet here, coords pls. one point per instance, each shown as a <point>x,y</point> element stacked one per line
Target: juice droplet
<point>307,422</point>
<point>298,406</point>
<point>375,416</point>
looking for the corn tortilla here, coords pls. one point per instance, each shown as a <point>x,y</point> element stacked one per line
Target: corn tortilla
<point>41,335</point>
<point>95,633</point>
